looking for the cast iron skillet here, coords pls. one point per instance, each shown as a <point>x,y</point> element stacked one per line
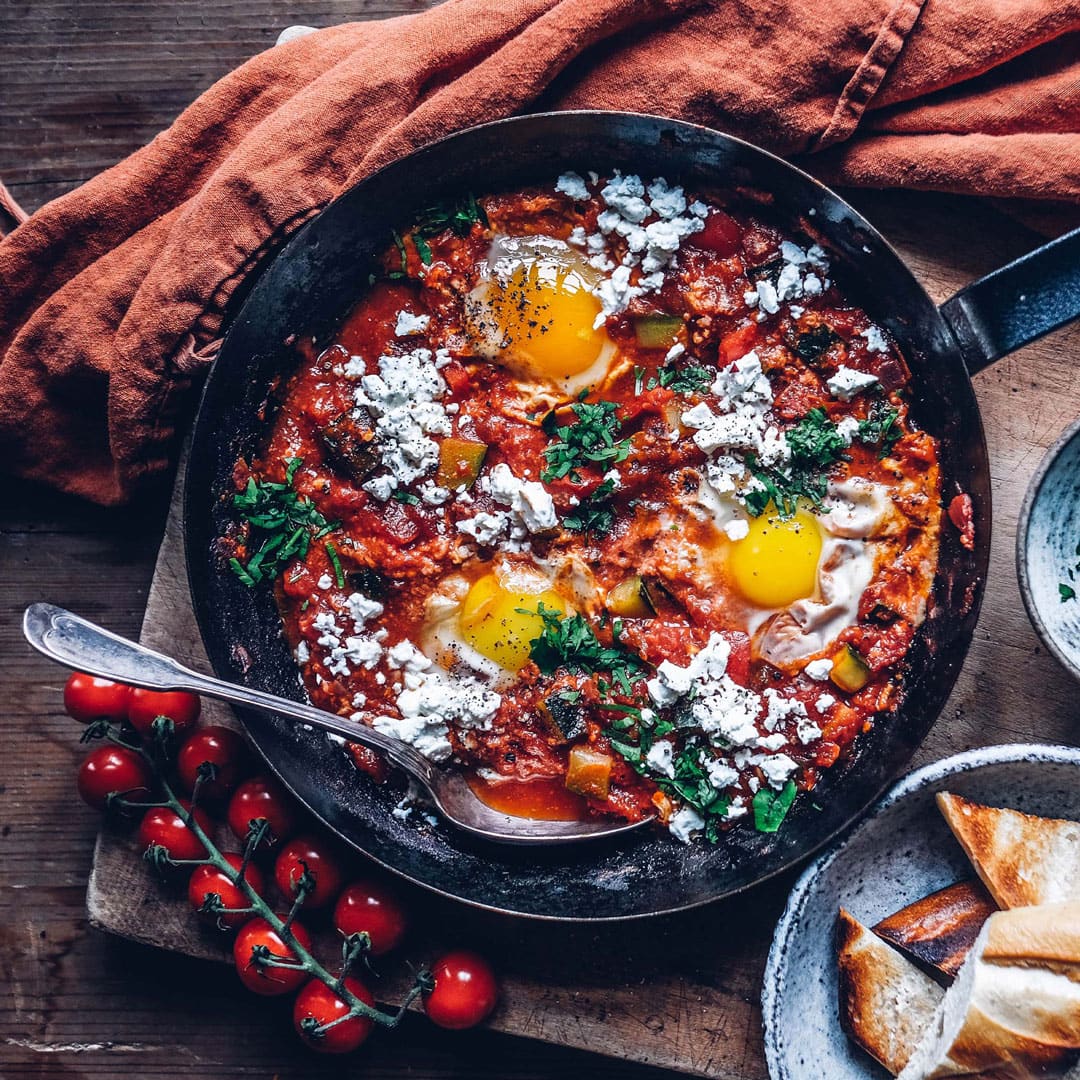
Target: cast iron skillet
<point>321,273</point>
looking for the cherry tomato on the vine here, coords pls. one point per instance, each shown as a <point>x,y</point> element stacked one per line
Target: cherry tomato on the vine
<point>108,769</point>
<point>221,747</point>
<point>87,698</point>
<point>317,1002</point>
<point>163,826</point>
<point>323,862</point>
<point>721,235</point>
<point>255,934</point>
<point>262,797</point>
<point>209,879</point>
<point>145,706</point>
<point>465,990</point>
<point>367,906</point>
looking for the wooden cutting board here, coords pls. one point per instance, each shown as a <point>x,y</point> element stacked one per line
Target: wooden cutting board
<point>682,992</point>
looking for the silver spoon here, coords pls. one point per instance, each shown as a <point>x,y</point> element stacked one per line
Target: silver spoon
<point>78,643</point>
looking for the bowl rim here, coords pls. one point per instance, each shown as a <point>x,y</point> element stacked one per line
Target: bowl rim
<point>1023,529</point>
<point>790,920</point>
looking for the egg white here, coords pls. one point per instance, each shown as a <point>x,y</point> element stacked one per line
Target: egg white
<point>693,543</point>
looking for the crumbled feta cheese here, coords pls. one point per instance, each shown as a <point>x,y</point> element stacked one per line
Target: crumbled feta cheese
<point>404,398</point>
<point>780,708</point>
<point>778,769</point>
<point>685,823</point>
<point>848,382</point>
<point>720,774</point>
<point>818,670</point>
<point>674,352</point>
<point>531,508</point>
<point>737,809</point>
<point>825,702</point>
<point>432,494</point>
<point>772,742</point>
<point>303,652</point>
<point>430,700</point>
<point>806,730</point>
<point>875,339</point>
<point>325,582</point>
<point>660,758</point>
<point>573,185</point>
<point>408,324</point>
<point>483,527</point>
<point>847,429</point>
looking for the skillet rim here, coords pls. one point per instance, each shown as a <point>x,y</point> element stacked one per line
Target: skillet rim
<point>901,750</point>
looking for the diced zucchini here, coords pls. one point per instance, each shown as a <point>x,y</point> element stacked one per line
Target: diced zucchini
<point>460,461</point>
<point>849,671</point>
<point>588,773</point>
<point>630,599</point>
<point>565,719</point>
<point>657,331</point>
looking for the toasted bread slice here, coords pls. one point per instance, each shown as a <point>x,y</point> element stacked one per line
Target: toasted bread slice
<point>886,1003</point>
<point>1014,1009</point>
<point>938,931</point>
<point>1023,860</point>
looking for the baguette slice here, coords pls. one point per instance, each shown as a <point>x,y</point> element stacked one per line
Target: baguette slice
<point>1014,1010</point>
<point>1023,860</point>
<point>939,930</point>
<point>886,1003</point>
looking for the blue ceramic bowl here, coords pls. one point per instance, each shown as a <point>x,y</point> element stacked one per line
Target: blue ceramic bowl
<point>1048,549</point>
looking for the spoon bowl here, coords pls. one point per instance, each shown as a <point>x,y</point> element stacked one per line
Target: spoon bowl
<point>77,643</point>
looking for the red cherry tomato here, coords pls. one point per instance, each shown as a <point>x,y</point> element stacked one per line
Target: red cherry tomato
<point>113,768</point>
<point>367,906</point>
<point>222,748</point>
<point>721,235</point>
<point>145,706</point>
<point>163,826</point>
<point>209,879</point>
<point>268,981</point>
<point>465,991</point>
<point>261,797</point>
<point>316,1001</point>
<point>323,863</point>
<point>87,698</point>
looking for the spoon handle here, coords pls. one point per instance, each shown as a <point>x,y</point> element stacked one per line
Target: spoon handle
<point>78,643</point>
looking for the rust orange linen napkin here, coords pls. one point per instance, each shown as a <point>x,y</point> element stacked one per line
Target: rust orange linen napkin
<point>112,297</point>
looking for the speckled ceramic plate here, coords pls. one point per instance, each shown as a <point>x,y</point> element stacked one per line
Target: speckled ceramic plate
<point>900,852</point>
<point>1048,549</point>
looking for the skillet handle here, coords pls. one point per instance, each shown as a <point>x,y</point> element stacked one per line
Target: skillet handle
<point>1015,305</point>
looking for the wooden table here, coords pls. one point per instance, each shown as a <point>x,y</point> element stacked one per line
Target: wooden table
<point>81,85</point>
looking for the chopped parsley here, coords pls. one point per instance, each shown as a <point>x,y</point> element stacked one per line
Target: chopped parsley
<point>881,428</point>
<point>816,446</point>
<point>592,439</point>
<point>632,739</point>
<point>688,379</point>
<point>771,807</point>
<point>571,643</point>
<point>283,523</point>
<point>595,515</point>
<point>458,216</point>
<point>402,496</point>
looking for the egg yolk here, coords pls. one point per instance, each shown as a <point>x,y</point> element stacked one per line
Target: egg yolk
<point>776,563</point>
<point>500,624</point>
<point>545,315</point>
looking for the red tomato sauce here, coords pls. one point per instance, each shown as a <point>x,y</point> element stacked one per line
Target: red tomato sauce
<point>400,550</point>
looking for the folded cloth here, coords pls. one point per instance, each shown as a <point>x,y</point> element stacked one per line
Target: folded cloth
<point>113,297</point>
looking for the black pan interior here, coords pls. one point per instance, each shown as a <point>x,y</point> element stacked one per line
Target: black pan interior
<point>309,287</point>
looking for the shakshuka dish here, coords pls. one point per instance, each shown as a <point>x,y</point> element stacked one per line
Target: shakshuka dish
<point>606,493</point>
